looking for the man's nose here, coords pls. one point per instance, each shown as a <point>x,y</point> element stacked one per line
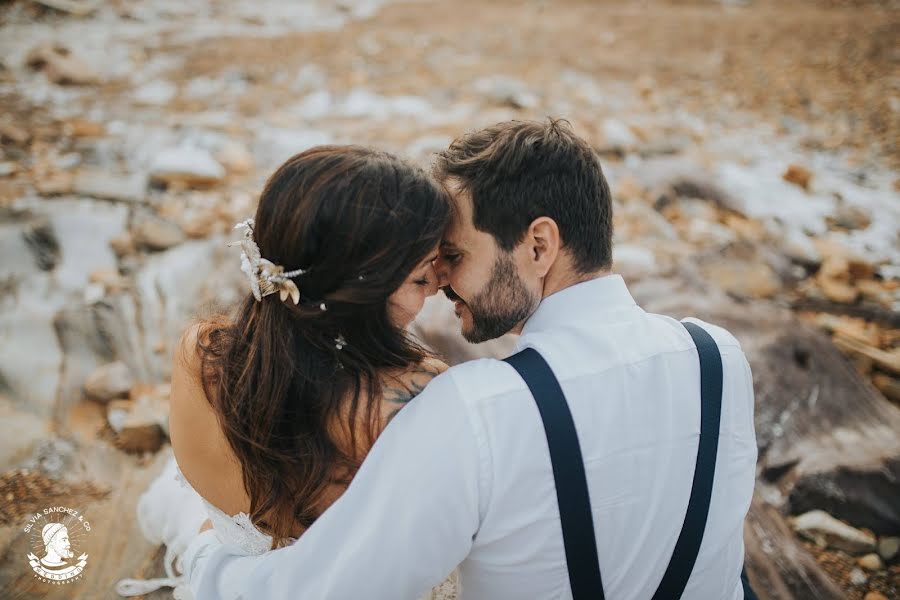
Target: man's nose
<point>441,269</point>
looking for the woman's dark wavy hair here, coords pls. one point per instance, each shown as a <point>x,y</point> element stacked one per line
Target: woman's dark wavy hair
<point>293,407</point>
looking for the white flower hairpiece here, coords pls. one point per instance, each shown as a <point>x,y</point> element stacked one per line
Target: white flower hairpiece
<point>265,276</point>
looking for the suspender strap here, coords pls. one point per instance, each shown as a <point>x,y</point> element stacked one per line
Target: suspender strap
<point>568,473</point>
<point>571,482</point>
<point>688,545</point>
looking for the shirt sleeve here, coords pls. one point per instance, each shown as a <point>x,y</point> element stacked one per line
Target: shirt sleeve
<point>405,522</point>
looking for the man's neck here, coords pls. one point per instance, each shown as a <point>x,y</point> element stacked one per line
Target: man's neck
<point>565,279</point>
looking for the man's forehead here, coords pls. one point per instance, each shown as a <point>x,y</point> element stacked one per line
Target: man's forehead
<point>461,217</point>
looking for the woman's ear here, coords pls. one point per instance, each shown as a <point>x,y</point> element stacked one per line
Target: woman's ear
<point>543,239</point>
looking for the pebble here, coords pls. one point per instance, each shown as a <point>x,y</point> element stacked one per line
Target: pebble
<point>618,135</point>
<point>235,157</point>
<point>888,547</point>
<point>822,528</point>
<point>61,66</point>
<point>155,233</point>
<point>857,577</point>
<point>187,166</point>
<point>799,176</point>
<point>112,380</point>
<point>506,91</point>
<point>871,562</point>
<point>155,93</point>
<point>108,186</point>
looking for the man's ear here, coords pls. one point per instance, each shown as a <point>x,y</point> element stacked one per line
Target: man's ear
<point>543,240</point>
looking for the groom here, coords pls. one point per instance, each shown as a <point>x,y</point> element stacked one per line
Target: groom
<point>462,476</point>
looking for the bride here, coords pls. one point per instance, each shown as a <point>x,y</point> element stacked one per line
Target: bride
<point>274,408</point>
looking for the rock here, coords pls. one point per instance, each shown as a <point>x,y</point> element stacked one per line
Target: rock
<point>799,248</point>
<point>776,560</point>
<point>54,184</point>
<point>13,134</point>
<point>43,243</point>
<point>172,285</point>
<point>61,66</point>
<point>79,8</point>
<point>857,577</point>
<point>888,547</point>
<point>886,360</point>
<point>708,233</point>
<point>799,176</point>
<point>110,279</point>
<point>122,245</point>
<point>850,327</point>
<point>870,562</point>
<point>506,91</point>
<point>54,456</point>
<point>29,431</point>
<point>186,166</point>
<point>634,262</point>
<point>8,168</point>
<point>837,291</point>
<point>825,530</point>
<point>421,149</point>
<point>113,380</point>
<point>235,157</point>
<point>155,233</point>
<point>849,218</point>
<point>136,425</point>
<point>98,184</point>
<point>82,128</point>
<point>744,279</point>
<point>887,385</point>
<point>274,145</point>
<point>84,228</point>
<point>155,93</point>
<point>876,291</point>
<point>617,134</point>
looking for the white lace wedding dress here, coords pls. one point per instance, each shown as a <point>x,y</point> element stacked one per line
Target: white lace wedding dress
<point>170,512</point>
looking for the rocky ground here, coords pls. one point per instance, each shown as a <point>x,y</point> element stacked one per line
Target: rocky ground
<point>751,147</point>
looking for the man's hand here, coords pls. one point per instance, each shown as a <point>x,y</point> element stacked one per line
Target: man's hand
<point>207,524</point>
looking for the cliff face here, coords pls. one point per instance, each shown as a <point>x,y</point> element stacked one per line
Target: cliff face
<point>750,146</point>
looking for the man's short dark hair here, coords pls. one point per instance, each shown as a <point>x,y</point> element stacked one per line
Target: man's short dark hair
<point>518,171</point>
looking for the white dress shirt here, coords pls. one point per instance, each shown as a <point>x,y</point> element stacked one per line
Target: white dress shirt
<point>462,475</point>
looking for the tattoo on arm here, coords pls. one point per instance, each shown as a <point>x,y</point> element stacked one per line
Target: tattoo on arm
<point>402,393</point>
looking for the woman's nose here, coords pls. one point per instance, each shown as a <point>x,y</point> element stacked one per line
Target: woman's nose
<point>435,284</point>
<point>441,271</point>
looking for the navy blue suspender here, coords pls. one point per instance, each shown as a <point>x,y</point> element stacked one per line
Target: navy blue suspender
<point>568,473</point>
<point>571,483</point>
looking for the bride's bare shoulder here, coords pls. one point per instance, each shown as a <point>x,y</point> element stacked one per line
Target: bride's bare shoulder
<point>404,386</point>
<point>190,413</point>
<point>197,438</point>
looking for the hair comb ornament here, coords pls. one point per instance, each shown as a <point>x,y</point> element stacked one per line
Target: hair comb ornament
<point>265,276</point>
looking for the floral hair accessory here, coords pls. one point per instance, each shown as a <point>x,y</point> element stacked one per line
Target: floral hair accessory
<point>265,276</point>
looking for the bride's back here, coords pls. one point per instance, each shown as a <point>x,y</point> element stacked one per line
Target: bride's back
<point>275,406</point>
<point>204,456</point>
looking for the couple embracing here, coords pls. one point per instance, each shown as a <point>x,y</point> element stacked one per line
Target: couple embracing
<point>612,456</point>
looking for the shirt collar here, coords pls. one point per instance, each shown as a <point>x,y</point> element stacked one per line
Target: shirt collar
<point>597,300</point>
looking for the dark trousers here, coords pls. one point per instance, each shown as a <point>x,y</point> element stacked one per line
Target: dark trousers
<point>749,594</point>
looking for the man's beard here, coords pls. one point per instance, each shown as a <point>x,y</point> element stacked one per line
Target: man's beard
<point>64,551</point>
<point>503,303</point>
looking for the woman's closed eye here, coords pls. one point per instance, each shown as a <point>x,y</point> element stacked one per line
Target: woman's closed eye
<point>423,281</point>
